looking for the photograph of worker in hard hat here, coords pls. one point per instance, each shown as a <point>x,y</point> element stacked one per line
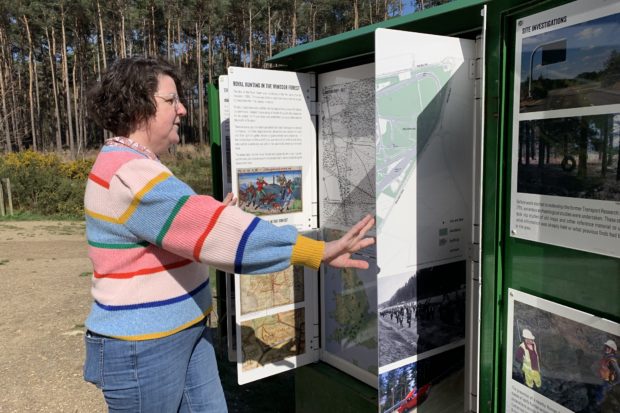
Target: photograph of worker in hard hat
<point>609,371</point>
<point>563,357</point>
<point>527,355</point>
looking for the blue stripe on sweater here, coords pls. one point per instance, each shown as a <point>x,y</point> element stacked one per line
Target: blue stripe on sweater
<point>107,232</point>
<point>154,303</point>
<point>155,208</point>
<point>122,149</point>
<point>151,320</point>
<point>266,249</point>
<point>242,243</point>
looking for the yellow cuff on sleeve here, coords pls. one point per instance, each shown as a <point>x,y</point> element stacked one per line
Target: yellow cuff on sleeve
<point>307,252</point>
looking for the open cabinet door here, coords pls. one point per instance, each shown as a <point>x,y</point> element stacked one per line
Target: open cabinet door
<point>273,170</point>
<point>425,140</point>
<point>276,322</point>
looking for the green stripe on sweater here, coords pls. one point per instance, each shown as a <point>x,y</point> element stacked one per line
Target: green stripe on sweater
<point>141,244</point>
<point>173,214</point>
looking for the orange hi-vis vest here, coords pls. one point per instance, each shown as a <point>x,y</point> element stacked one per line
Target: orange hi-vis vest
<point>605,370</point>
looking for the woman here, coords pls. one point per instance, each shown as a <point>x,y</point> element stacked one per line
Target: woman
<point>150,237</point>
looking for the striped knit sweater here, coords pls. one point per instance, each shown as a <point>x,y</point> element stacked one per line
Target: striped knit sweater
<point>150,237</point>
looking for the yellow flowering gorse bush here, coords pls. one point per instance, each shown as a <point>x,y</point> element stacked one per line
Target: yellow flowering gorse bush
<point>43,183</point>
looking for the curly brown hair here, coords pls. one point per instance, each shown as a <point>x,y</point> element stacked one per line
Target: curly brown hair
<point>123,99</point>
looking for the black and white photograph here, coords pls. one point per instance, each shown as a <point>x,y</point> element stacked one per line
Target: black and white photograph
<point>433,384</point>
<point>571,363</point>
<point>420,311</point>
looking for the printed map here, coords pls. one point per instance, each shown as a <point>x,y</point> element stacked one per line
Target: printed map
<point>260,292</point>
<point>347,152</point>
<point>350,311</point>
<point>273,338</point>
<point>402,97</point>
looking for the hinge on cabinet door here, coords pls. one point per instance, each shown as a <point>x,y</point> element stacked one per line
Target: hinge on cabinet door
<point>311,95</point>
<point>472,69</point>
<point>477,69</point>
<point>476,250</point>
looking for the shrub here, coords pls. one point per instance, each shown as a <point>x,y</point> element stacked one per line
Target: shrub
<point>45,184</point>
<point>192,165</point>
<point>42,183</point>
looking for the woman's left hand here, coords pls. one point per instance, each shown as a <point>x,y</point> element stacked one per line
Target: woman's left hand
<point>338,253</point>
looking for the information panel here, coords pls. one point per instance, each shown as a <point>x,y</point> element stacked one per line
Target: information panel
<point>347,194</point>
<point>424,106</point>
<point>424,148</point>
<point>276,316</point>
<point>558,359</point>
<point>566,127</point>
<point>273,145</point>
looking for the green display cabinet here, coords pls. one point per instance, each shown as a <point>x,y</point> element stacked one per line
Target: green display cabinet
<point>545,210</point>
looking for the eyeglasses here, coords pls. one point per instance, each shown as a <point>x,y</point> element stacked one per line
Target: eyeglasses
<point>170,98</point>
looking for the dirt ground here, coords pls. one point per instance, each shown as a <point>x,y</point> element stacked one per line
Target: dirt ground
<point>44,300</point>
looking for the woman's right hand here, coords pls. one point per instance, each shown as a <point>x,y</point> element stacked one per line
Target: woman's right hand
<point>230,200</point>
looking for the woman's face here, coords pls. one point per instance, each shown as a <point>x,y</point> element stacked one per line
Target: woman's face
<point>163,128</point>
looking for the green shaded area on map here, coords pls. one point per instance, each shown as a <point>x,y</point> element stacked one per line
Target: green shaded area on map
<point>409,110</point>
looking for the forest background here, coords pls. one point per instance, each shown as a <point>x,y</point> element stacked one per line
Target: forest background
<point>52,51</point>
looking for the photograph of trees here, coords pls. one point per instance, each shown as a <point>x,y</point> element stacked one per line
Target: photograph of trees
<point>573,157</point>
<point>437,380</point>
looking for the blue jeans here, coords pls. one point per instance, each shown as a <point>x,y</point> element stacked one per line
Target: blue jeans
<point>177,373</point>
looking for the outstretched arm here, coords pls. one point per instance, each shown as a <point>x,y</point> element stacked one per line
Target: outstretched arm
<point>338,253</point>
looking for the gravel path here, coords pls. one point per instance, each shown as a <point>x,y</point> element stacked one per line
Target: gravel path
<point>44,300</point>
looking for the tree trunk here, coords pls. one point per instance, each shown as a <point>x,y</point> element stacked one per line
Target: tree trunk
<point>356,18</point>
<point>145,41</point>
<point>528,138</point>
<point>153,46</point>
<point>101,39</point>
<point>582,167</point>
<point>5,115</point>
<point>31,74</point>
<point>269,29</point>
<point>610,144</point>
<point>122,38</point>
<point>294,25</point>
<point>250,32</point>
<point>168,39</point>
<point>52,51</point>
<point>541,152</point>
<point>200,84</point>
<point>179,40</point>
<point>78,128</point>
<point>65,70</point>
<point>15,111</point>
<point>604,144</point>
<point>210,53</point>
<point>3,92</point>
<point>618,166</point>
